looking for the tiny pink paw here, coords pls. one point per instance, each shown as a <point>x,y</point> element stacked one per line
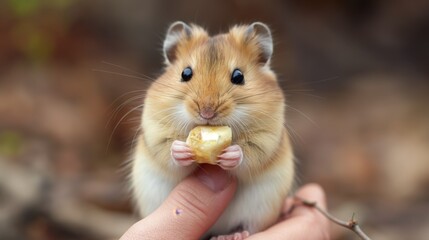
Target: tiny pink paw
<point>230,157</point>
<point>234,236</point>
<point>181,153</point>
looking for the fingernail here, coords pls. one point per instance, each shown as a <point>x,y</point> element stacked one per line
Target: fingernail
<point>214,178</point>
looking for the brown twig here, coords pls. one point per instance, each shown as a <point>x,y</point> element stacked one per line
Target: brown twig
<point>352,224</point>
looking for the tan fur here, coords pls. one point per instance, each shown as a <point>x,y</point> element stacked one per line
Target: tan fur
<point>254,111</point>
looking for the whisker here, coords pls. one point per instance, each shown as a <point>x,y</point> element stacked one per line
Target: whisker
<point>125,94</point>
<point>120,74</point>
<point>133,120</point>
<point>191,89</point>
<point>168,117</point>
<point>183,126</point>
<point>299,90</point>
<point>126,69</point>
<point>169,96</point>
<point>242,126</point>
<point>171,87</point>
<point>311,95</point>
<point>229,90</point>
<point>267,114</point>
<point>303,114</point>
<point>123,117</point>
<point>293,134</point>
<point>120,107</point>
<point>162,111</point>
<point>258,94</point>
<point>257,103</point>
<point>138,131</point>
<point>312,82</point>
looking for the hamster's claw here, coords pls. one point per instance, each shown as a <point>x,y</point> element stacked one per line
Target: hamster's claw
<point>181,154</point>
<point>234,236</point>
<point>230,158</point>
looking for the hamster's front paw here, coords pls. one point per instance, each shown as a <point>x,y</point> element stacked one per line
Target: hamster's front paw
<point>231,157</point>
<point>181,153</point>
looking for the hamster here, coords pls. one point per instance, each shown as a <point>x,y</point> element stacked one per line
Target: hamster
<point>221,80</point>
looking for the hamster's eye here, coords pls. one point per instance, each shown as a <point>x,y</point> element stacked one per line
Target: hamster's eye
<point>237,77</point>
<point>186,74</point>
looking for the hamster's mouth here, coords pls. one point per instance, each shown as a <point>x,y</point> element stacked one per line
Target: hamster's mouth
<point>211,122</point>
<point>199,121</point>
<point>207,123</point>
<point>218,119</point>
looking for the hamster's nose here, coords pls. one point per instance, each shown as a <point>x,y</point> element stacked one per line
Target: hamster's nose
<point>207,113</point>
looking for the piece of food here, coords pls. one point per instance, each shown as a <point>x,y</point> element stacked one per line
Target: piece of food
<point>207,142</point>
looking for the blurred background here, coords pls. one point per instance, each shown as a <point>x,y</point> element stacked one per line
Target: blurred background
<point>355,73</point>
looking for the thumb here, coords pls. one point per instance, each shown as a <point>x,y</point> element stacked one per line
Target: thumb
<point>191,208</point>
<point>303,222</point>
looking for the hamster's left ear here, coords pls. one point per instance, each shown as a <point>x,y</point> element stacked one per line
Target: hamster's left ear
<point>261,33</point>
<point>177,32</point>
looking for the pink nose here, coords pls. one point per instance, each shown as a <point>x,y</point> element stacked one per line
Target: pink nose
<point>207,113</point>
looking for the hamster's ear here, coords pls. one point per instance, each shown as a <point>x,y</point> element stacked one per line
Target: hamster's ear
<point>176,32</point>
<point>260,33</point>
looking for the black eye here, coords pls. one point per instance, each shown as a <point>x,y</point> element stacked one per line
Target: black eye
<point>186,74</point>
<point>237,77</point>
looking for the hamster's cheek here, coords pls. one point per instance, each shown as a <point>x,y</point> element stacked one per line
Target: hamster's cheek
<point>184,113</point>
<point>240,113</point>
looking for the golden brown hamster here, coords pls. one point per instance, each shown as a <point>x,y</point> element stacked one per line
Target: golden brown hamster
<point>221,80</point>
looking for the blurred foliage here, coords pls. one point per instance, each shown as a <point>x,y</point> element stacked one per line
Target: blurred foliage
<point>33,42</point>
<point>11,144</point>
<point>34,24</point>
<point>28,8</point>
<point>24,8</point>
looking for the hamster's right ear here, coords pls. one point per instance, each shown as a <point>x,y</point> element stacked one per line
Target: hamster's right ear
<point>261,34</point>
<point>176,32</point>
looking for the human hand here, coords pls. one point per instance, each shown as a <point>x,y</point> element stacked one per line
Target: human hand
<point>303,222</point>
<point>191,208</point>
<point>185,215</point>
